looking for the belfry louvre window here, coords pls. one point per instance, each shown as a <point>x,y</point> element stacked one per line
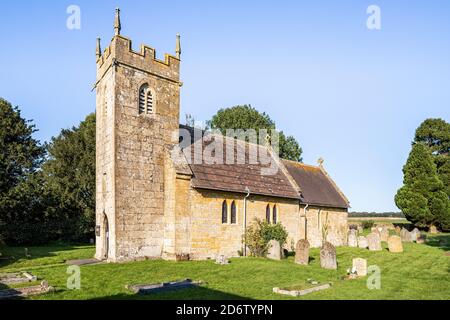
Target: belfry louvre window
<point>145,100</point>
<point>224,212</point>
<point>233,212</point>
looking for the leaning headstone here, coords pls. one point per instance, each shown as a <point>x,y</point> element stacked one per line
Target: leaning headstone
<point>274,250</point>
<point>353,238</point>
<point>328,256</point>
<point>302,252</point>
<point>405,235</point>
<point>374,242</point>
<point>395,244</point>
<point>421,239</point>
<point>360,267</point>
<point>414,234</point>
<point>362,242</point>
<point>433,230</point>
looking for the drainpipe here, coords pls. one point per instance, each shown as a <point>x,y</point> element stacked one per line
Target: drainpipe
<point>306,221</point>
<point>244,251</point>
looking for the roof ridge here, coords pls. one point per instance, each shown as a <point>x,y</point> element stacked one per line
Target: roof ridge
<point>301,163</point>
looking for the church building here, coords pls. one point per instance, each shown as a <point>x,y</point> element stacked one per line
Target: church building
<point>153,201</point>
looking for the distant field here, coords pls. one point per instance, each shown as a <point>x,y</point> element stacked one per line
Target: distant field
<point>379,219</point>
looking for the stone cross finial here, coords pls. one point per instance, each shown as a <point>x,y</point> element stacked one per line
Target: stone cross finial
<point>98,50</point>
<point>178,46</point>
<point>320,162</point>
<point>117,25</point>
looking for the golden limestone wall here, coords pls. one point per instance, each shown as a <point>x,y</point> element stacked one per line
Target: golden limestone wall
<point>140,144</point>
<point>329,223</point>
<point>202,234</point>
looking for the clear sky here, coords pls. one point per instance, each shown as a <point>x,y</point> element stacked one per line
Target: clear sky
<point>351,95</point>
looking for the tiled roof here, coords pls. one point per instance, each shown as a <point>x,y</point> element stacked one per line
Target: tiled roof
<point>317,187</point>
<point>237,177</point>
<point>287,180</point>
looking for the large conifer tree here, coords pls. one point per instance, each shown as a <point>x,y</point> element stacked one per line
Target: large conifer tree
<point>422,198</point>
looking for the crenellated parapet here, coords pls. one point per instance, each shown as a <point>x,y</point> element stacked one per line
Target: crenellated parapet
<point>120,52</point>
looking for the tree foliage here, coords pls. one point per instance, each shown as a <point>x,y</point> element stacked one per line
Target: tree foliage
<point>246,117</point>
<point>259,233</point>
<point>20,158</point>
<point>435,135</point>
<point>422,198</point>
<point>69,176</point>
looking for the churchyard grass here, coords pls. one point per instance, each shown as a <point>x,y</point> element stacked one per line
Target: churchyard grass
<point>422,271</point>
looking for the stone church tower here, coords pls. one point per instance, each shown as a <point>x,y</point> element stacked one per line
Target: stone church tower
<point>137,109</point>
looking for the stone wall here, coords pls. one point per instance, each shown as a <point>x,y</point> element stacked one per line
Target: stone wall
<point>140,144</point>
<point>209,237</point>
<point>326,222</point>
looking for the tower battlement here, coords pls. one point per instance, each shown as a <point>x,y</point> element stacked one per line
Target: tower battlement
<point>120,52</point>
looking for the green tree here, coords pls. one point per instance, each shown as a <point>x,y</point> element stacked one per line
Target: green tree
<point>422,198</point>
<point>246,117</point>
<point>435,134</point>
<point>20,157</point>
<point>69,176</point>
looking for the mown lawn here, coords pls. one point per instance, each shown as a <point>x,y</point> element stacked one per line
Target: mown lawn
<point>421,272</point>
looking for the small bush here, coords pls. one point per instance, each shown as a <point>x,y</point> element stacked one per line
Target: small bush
<point>259,233</point>
<point>368,224</point>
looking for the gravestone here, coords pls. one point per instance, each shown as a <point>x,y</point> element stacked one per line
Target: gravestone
<point>395,244</point>
<point>353,238</point>
<point>328,256</point>
<point>433,230</point>
<point>302,252</point>
<point>398,230</point>
<point>405,235</point>
<point>360,267</point>
<point>360,228</point>
<point>374,241</point>
<point>362,242</point>
<point>421,239</point>
<point>414,234</point>
<point>384,233</point>
<point>221,259</point>
<point>274,250</point>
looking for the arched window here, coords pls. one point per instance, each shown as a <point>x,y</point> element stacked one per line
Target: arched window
<point>233,212</point>
<point>268,213</point>
<point>224,212</point>
<point>145,100</point>
<point>274,213</point>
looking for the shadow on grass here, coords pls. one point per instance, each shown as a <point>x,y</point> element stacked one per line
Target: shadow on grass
<point>11,255</point>
<point>441,241</point>
<point>197,293</point>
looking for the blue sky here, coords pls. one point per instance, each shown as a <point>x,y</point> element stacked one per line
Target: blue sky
<point>351,95</point>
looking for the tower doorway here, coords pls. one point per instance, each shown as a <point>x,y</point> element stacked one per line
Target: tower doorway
<point>105,237</point>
